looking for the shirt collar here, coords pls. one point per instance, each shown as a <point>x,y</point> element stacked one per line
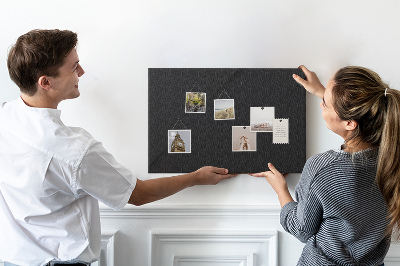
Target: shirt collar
<point>42,111</point>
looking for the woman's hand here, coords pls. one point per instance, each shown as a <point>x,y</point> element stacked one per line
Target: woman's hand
<point>277,182</point>
<point>312,84</point>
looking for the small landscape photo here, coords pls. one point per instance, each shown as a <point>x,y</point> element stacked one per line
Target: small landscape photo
<point>262,119</point>
<point>243,139</point>
<point>179,141</point>
<point>195,102</point>
<point>224,109</point>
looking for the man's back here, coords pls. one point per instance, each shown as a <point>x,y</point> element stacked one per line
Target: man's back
<point>41,211</point>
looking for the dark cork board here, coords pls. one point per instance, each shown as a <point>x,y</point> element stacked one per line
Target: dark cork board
<point>211,140</point>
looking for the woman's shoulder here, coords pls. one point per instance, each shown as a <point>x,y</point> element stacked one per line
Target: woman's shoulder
<point>321,160</point>
<point>333,161</point>
<point>340,155</point>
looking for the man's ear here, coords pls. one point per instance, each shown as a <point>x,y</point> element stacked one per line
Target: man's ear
<point>44,82</point>
<point>351,125</point>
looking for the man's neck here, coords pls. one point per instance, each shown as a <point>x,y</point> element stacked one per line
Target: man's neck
<point>37,101</point>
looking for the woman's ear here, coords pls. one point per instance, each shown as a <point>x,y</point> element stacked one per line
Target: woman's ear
<point>351,125</point>
<point>44,82</point>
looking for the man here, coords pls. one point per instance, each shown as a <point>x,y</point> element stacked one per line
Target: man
<point>51,175</point>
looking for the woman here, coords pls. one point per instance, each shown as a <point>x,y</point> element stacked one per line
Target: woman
<point>348,200</point>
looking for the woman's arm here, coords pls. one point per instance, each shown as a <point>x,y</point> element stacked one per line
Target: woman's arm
<point>278,183</point>
<point>301,219</point>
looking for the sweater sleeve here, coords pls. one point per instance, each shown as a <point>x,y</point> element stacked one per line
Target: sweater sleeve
<point>302,218</point>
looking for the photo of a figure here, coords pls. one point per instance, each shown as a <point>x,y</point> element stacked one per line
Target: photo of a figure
<point>243,139</point>
<point>262,119</point>
<point>179,141</point>
<point>195,102</point>
<point>224,109</point>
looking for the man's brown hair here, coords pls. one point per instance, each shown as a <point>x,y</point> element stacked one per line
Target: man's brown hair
<point>38,53</point>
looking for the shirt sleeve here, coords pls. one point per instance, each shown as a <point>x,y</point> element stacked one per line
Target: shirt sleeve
<point>303,218</point>
<point>102,177</point>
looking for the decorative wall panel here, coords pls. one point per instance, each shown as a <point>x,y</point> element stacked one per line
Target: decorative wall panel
<point>202,247</point>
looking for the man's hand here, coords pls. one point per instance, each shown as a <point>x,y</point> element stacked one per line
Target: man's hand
<point>209,175</point>
<point>312,84</point>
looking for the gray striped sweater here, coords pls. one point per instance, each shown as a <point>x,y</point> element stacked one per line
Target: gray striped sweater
<point>340,213</point>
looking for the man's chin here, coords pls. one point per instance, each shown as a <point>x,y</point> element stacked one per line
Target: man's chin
<point>77,94</point>
<point>74,96</point>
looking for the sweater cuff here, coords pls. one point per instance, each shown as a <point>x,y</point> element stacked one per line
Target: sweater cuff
<point>286,209</point>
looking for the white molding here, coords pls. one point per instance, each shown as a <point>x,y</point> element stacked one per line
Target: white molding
<point>393,259</point>
<point>244,246</point>
<point>246,260</point>
<point>183,211</point>
<point>107,254</point>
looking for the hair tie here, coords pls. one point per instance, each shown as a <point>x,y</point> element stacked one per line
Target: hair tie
<point>385,91</point>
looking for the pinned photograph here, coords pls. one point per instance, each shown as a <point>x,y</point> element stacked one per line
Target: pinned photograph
<point>224,109</point>
<point>195,102</point>
<point>262,119</point>
<point>179,141</point>
<point>243,139</point>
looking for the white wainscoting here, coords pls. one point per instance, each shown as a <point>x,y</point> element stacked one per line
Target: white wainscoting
<point>205,235</point>
<point>220,261</point>
<point>393,260</point>
<point>188,211</point>
<point>200,236</point>
<point>202,247</point>
<point>107,249</point>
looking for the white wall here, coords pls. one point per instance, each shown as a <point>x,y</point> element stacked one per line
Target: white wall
<point>120,40</point>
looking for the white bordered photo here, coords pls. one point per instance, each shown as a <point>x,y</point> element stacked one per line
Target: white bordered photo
<point>243,139</point>
<point>180,141</point>
<point>224,109</point>
<point>262,119</point>
<point>195,102</point>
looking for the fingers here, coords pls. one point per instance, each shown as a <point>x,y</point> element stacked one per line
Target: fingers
<point>220,177</point>
<point>299,80</point>
<point>258,174</point>
<point>273,169</point>
<point>304,69</point>
<point>212,169</point>
<point>210,175</point>
<point>227,176</point>
<point>221,171</point>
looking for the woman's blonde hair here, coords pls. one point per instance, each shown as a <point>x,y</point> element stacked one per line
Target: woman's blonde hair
<point>359,94</point>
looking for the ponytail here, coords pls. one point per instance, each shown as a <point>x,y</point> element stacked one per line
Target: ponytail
<point>388,171</point>
<point>359,94</point>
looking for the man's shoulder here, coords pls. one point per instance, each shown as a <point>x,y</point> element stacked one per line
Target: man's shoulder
<point>43,130</point>
<point>68,144</point>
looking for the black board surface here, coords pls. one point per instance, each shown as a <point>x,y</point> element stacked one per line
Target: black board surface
<point>211,140</point>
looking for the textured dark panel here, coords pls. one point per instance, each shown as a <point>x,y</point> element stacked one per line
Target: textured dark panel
<point>212,140</point>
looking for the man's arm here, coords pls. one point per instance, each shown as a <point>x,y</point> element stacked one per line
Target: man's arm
<point>155,189</point>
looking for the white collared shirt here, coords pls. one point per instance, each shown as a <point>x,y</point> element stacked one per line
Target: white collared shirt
<point>51,179</point>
